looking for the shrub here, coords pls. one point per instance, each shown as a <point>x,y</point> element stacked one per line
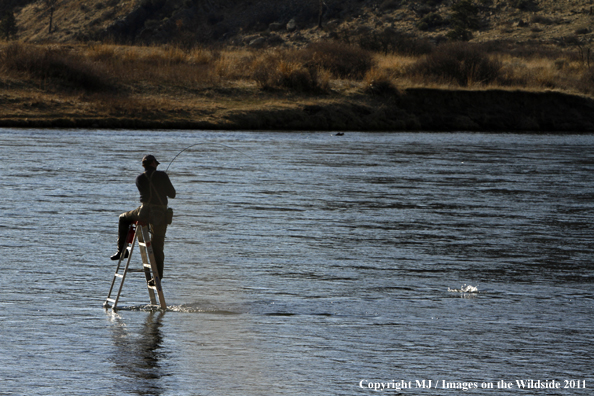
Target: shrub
<point>433,3</point>
<point>462,63</point>
<point>8,27</point>
<point>465,15</point>
<point>524,5</point>
<point>543,20</point>
<point>459,33</point>
<point>389,40</point>
<point>55,65</point>
<point>464,19</point>
<point>390,5</point>
<point>587,82</point>
<point>341,59</point>
<point>582,30</point>
<point>278,70</point>
<point>378,82</point>
<point>431,21</point>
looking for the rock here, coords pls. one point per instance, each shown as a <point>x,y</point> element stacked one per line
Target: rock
<point>275,26</point>
<point>292,25</point>
<point>521,23</point>
<point>274,40</point>
<point>260,42</point>
<point>332,25</point>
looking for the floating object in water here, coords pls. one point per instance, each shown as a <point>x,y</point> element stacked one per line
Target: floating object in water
<point>465,289</point>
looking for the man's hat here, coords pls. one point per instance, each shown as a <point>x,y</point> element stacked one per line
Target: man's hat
<point>148,159</point>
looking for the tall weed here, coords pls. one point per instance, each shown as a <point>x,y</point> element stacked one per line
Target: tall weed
<point>341,59</point>
<point>284,70</point>
<point>55,65</point>
<point>461,63</point>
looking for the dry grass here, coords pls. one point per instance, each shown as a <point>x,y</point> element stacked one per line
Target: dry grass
<point>525,70</point>
<point>565,74</point>
<point>54,65</point>
<point>121,79</point>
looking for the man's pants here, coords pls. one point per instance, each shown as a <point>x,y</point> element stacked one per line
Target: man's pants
<point>158,233</point>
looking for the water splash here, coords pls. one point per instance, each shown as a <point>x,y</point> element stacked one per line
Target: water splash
<point>204,308</point>
<point>465,289</point>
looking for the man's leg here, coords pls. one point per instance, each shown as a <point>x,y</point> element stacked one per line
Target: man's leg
<point>124,224</point>
<point>158,243</point>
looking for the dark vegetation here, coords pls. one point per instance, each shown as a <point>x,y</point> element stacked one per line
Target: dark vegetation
<point>464,20</point>
<point>460,63</point>
<point>8,26</point>
<point>192,49</point>
<point>58,66</point>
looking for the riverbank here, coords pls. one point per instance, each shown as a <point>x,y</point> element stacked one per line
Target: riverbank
<point>414,109</point>
<point>324,87</point>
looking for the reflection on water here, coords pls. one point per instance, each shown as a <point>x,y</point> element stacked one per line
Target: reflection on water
<point>136,355</point>
<point>303,267</point>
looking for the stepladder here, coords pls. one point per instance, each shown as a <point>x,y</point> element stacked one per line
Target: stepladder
<point>138,234</point>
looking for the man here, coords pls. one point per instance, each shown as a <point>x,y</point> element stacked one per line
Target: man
<point>154,187</point>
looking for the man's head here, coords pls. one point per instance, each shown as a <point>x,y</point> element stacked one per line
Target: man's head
<point>149,161</point>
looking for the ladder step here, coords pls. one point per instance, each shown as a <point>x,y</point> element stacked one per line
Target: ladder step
<point>147,255</point>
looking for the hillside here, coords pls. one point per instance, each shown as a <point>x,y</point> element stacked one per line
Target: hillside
<point>264,22</point>
<point>373,65</point>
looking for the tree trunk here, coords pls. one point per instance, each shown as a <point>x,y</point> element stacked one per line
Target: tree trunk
<point>320,14</point>
<point>51,19</point>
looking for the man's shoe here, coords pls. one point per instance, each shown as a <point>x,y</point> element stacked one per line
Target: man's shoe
<point>118,254</point>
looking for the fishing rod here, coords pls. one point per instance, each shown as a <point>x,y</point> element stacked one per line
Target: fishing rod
<point>207,143</point>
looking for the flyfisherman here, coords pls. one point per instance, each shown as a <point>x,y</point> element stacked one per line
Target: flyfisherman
<point>154,187</point>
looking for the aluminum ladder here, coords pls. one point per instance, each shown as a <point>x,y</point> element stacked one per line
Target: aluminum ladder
<point>149,267</point>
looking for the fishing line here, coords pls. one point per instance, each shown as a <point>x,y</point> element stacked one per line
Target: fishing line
<point>206,143</point>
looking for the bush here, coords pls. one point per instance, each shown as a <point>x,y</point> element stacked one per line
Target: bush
<point>587,82</point>
<point>462,63</point>
<point>59,66</point>
<point>465,15</point>
<point>388,5</point>
<point>278,70</point>
<point>543,20</point>
<point>341,59</point>
<point>433,3</point>
<point>524,5</point>
<point>459,33</point>
<point>389,40</point>
<point>378,82</point>
<point>8,27</point>
<point>582,30</point>
<point>464,19</point>
<point>431,21</point>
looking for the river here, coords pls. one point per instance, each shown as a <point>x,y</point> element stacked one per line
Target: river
<point>302,264</point>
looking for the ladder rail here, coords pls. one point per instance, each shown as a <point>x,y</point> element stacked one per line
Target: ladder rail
<point>126,268</point>
<point>117,271</point>
<point>148,247</point>
<point>149,267</point>
<point>145,260</point>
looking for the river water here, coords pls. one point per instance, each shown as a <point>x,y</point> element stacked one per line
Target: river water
<point>302,264</point>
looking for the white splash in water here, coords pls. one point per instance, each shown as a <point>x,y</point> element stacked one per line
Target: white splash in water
<point>465,289</point>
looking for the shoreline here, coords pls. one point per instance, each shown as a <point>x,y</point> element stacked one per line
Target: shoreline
<point>412,109</point>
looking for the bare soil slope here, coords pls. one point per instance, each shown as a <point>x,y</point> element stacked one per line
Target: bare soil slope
<point>241,22</point>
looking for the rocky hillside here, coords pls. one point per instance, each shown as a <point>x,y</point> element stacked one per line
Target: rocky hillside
<point>295,22</point>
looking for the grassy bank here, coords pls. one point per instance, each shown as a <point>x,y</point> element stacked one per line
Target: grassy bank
<point>325,86</point>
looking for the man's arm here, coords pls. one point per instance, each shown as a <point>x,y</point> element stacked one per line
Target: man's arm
<point>168,187</point>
